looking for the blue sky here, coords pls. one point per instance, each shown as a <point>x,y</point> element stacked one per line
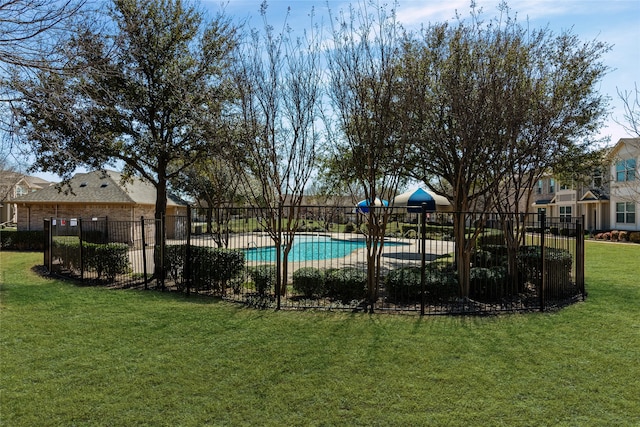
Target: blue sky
<point>616,22</point>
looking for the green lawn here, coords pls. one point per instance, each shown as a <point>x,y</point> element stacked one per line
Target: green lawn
<point>75,356</point>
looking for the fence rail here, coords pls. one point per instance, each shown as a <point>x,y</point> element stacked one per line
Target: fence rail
<point>515,263</point>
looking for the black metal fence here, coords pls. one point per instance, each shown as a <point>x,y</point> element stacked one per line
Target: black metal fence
<point>512,263</point>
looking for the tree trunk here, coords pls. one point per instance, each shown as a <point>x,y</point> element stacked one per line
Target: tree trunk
<point>463,254</point>
<point>161,210</point>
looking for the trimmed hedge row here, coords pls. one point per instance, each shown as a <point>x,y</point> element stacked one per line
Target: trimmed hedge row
<point>106,260</point>
<point>404,284</point>
<point>22,240</point>
<point>210,268</point>
<point>619,236</point>
<point>343,284</point>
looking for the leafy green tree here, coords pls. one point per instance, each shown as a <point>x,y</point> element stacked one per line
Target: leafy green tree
<point>493,99</point>
<point>146,88</point>
<point>215,185</point>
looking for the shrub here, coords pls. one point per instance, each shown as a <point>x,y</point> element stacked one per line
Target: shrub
<point>441,284</point>
<point>214,268</point>
<point>554,230</point>
<point>569,232</point>
<point>107,260</point>
<point>487,283</point>
<point>66,251</point>
<point>623,236</point>
<point>264,278</point>
<point>346,284</point>
<point>491,238</point>
<point>174,256</point>
<point>22,240</point>
<point>308,281</point>
<point>614,235</point>
<point>404,284</point>
<point>634,236</point>
<point>210,268</point>
<point>349,228</point>
<point>482,258</point>
<point>557,271</point>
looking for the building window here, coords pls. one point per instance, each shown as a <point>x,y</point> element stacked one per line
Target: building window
<point>626,213</point>
<point>539,186</point>
<point>20,191</point>
<point>565,213</point>
<point>626,170</point>
<point>597,179</point>
<point>552,185</point>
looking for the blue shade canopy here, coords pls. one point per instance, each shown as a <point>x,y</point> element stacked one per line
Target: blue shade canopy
<point>363,205</point>
<point>414,199</point>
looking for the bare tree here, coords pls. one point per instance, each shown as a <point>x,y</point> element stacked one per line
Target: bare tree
<point>31,35</point>
<point>367,130</point>
<point>631,124</point>
<point>278,80</point>
<point>631,117</point>
<point>27,30</point>
<point>494,100</point>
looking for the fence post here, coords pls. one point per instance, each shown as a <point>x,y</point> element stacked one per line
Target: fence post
<point>580,256</point>
<point>279,277</point>
<point>144,252</point>
<point>160,223</point>
<point>187,255</point>
<point>543,252</point>
<point>81,250</point>
<point>423,260</point>
<point>48,247</point>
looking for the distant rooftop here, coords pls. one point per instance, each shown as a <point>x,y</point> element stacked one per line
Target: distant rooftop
<point>98,187</point>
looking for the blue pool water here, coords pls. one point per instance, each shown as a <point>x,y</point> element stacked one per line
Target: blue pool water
<point>311,248</point>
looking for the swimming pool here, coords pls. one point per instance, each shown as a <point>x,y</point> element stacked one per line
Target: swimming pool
<point>311,248</point>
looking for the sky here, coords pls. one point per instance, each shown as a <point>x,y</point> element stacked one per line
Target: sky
<point>615,22</point>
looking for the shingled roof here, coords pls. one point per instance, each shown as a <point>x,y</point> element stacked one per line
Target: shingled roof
<point>98,187</point>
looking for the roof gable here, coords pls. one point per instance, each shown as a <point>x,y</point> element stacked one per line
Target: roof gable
<point>622,142</point>
<point>98,187</point>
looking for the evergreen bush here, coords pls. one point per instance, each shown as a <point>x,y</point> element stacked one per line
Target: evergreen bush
<point>264,278</point>
<point>488,283</point>
<point>108,260</point>
<point>210,268</point>
<point>346,284</point>
<point>309,282</point>
<point>404,284</point>
<point>493,237</point>
<point>22,240</point>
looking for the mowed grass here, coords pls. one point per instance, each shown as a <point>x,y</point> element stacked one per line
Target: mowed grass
<point>87,356</point>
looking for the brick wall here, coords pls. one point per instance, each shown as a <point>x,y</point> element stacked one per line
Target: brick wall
<point>31,217</point>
